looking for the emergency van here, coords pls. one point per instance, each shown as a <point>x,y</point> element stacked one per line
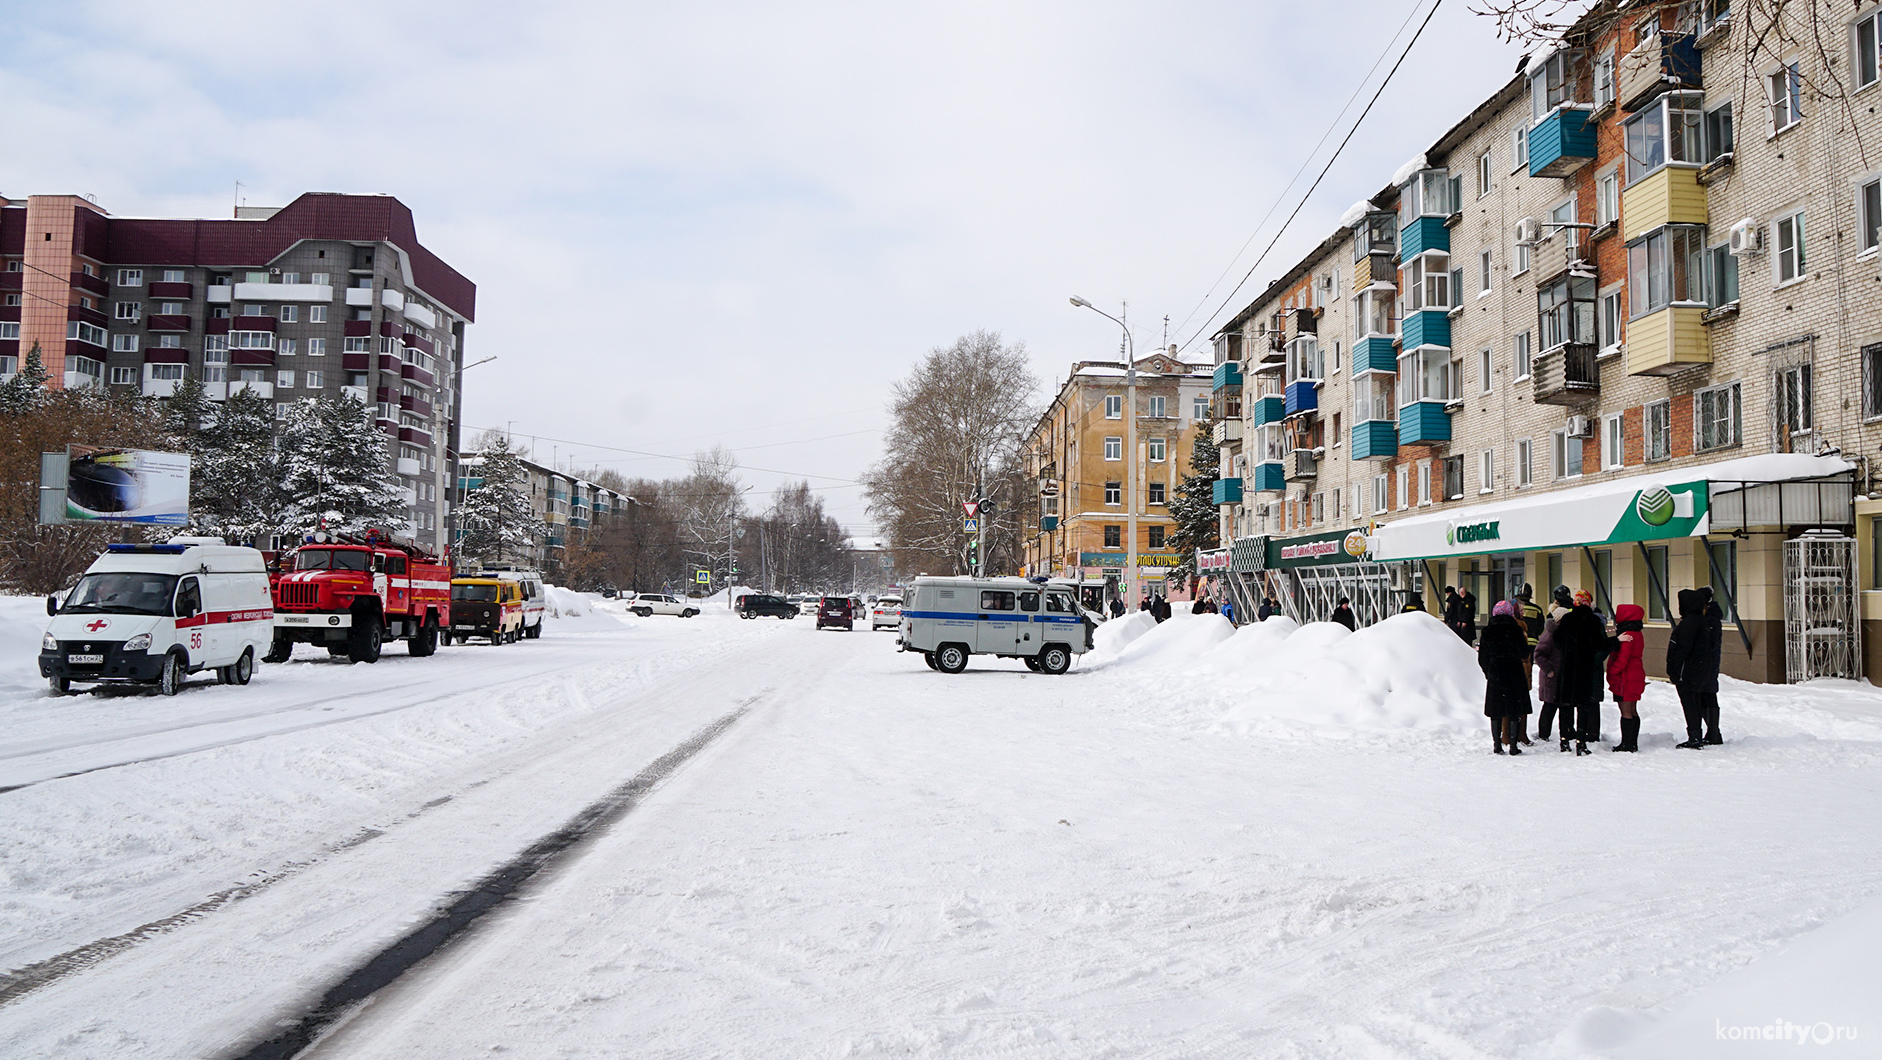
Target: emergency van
<point>534,594</point>
<point>949,619</point>
<point>153,614</point>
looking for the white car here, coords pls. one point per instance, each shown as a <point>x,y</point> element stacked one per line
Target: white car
<point>809,605</point>
<point>886,611</point>
<point>647,605</point>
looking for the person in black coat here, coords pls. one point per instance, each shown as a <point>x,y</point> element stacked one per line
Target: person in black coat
<point>1117,607</point>
<point>1581,639</point>
<point>1343,614</point>
<point>1692,663</point>
<point>1467,602</point>
<point>1502,655</point>
<point>1267,609</point>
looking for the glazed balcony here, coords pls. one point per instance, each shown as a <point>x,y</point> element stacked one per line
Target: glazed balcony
<point>1668,341</point>
<point>1427,327</point>
<point>1268,408</point>
<point>1664,62</point>
<point>1669,195</point>
<point>1302,396</point>
<point>1566,375</point>
<point>1269,477</point>
<point>1423,234</point>
<point>1374,353</point>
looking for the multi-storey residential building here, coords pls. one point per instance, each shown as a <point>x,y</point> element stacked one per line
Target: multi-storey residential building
<point>329,294</point>
<point>1077,453</point>
<point>565,505</point>
<point>1620,329</point>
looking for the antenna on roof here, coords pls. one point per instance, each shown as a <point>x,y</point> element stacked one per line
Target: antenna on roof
<point>238,200</point>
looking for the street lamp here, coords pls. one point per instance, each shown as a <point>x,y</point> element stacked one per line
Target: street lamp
<point>1130,446</point>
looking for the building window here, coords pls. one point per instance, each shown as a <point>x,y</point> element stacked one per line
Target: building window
<point>1869,215</point>
<point>1373,314</point>
<point>358,345</point>
<point>1486,471</point>
<point>131,311</point>
<point>317,314</point>
<point>1113,537</point>
<point>251,340</point>
<point>1721,276</point>
<point>1426,374</point>
<point>284,380</point>
<point>1789,256</point>
<point>1114,448</point>
<point>1871,382</point>
<point>1607,199</point>
<point>9,329</point>
<point>290,314</point>
<point>1428,282</point>
<point>1667,130</point>
<point>1454,478</point>
<point>1611,317</point>
<point>1380,489</point>
<point>1156,406</point>
<point>1114,493</point>
<point>1603,80</point>
<point>1404,487</point>
<point>79,331</point>
<point>1785,88</point>
<point>1113,407</point>
<point>1790,405</point>
<point>1612,455</point>
<point>1156,537</point>
<point>1657,421</point>
<point>1485,359</point>
<point>1716,417</point>
<point>1656,583</point>
<point>315,380</point>
<point>1666,268</point>
<point>165,371</point>
<point>1565,311</point>
<point>290,346</point>
<point>130,277</point>
<point>1424,482</point>
<point>1484,181</point>
<point>1156,450</point>
<point>1868,29</point>
<point>123,375</point>
<point>1156,493</point>
<point>316,347</point>
<point>1522,355</point>
<point>1483,272</point>
<point>1521,256</point>
<point>1718,139</point>
<point>1519,148</point>
<point>124,343</point>
<point>1199,408</point>
<point>1564,454</point>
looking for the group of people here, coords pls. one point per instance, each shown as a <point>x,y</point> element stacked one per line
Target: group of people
<point>1564,656</point>
<point>1157,605</point>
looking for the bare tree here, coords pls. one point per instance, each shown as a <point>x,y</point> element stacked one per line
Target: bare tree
<point>710,503</point>
<point>954,437</point>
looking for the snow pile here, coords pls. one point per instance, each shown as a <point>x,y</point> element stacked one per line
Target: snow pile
<point>1405,171</point>
<point>578,611</point>
<point>1111,638</point>
<point>22,623</point>
<point>565,603</point>
<point>1355,213</point>
<point>1408,672</point>
<point>1177,643</point>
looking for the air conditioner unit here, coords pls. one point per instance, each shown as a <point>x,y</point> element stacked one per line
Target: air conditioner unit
<point>1326,281</point>
<point>1580,427</point>
<point>1526,230</point>
<point>1747,237</point>
<point>274,272</point>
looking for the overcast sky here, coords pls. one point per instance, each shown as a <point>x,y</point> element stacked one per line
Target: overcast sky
<point>741,223</point>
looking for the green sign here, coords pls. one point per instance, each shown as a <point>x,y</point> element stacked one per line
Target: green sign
<point>1469,533</point>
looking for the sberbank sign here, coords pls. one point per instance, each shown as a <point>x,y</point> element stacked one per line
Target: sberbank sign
<point>1471,533</point>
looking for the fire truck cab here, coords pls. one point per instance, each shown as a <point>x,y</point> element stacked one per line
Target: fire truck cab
<point>350,594</point>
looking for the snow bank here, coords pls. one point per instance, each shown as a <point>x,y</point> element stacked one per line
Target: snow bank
<point>1114,636</point>
<point>577,611</point>
<point>1177,642</point>
<point>22,623</point>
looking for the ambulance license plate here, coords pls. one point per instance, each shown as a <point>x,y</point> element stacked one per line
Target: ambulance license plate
<point>85,660</point>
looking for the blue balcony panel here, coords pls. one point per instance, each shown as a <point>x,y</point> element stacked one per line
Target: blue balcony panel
<point>1270,477</point>
<point>1561,143</point>
<point>1048,522</point>
<point>1425,233</point>
<point>1427,327</point>
<point>1375,438</point>
<point>1268,408</point>
<point>1423,422</point>
<point>1228,491</point>
<point>1302,397</point>
<point>1228,376</point>
<point>1374,354</point>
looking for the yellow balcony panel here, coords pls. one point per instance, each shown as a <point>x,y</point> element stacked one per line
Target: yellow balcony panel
<point>1671,196</point>
<point>1669,341</point>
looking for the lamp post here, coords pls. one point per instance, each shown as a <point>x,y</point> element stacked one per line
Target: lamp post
<point>1130,448</point>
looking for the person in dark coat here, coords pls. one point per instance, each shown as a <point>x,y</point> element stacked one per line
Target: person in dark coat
<point>1413,603</point>
<point>1506,678</point>
<point>1343,614</point>
<point>1453,607</point>
<point>1117,607</point>
<point>1468,615</point>
<point>1200,607</point>
<point>1581,641</point>
<point>1161,608</point>
<point>1627,674</point>
<point>1692,663</point>
<point>1548,659</point>
<point>1262,612</point>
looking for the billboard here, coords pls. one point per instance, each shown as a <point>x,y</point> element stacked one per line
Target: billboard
<point>127,486</point>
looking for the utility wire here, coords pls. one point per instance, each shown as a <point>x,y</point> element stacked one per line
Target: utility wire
<point>1323,172</point>
<point>663,456</point>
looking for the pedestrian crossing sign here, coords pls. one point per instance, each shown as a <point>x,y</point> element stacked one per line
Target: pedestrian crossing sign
<point>970,526</point>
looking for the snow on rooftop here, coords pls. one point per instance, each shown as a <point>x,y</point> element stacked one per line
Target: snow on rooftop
<point>1355,213</point>
<point>1405,171</point>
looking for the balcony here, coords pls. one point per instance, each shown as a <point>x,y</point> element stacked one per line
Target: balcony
<point>391,299</point>
<point>357,393</point>
<point>1049,523</point>
<point>415,436</point>
<point>1301,322</point>
<point>1228,376</point>
<point>419,315</point>
<point>254,386</point>
<point>1423,234</point>
<point>1226,431</point>
<point>386,395</point>
<point>390,427</point>
<point>1302,396</point>
<point>1268,408</point>
<point>355,362</point>
<point>1562,143</point>
<point>1302,465</point>
<point>1427,327</point>
<point>166,322</point>
<point>1274,350</point>
<point>218,391</point>
<point>1269,477</point>
<point>216,326</point>
<point>1228,491</point>
<point>89,316</point>
<point>416,374</point>
<point>166,355</point>
<point>1423,422</point>
<point>359,297</point>
<point>1662,63</point>
<point>416,405</point>
<point>12,281</point>
<point>252,357</point>
<point>92,285</point>
<point>82,381</point>
<point>160,388</point>
<point>407,466</point>
<point>1566,375</point>
<point>1669,341</point>
<point>172,291</point>
<point>1374,268</point>
<point>389,363</point>
<point>1668,196</point>
<point>1374,438</point>
<point>219,294</point>
<point>418,342</point>
<point>1557,254</point>
<point>284,292</point>
<point>254,323</point>
<point>1374,353</point>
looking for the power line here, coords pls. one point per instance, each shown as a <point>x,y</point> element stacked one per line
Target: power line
<point>667,456</point>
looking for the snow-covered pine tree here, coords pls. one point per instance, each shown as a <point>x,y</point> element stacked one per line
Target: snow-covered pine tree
<point>27,388</point>
<point>1193,506</point>
<point>187,411</point>
<point>496,521</point>
<point>333,463</point>
<point>234,483</point>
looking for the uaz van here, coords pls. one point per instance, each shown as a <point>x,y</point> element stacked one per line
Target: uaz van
<point>153,614</point>
<point>950,619</point>
<point>535,598</point>
<point>486,607</point>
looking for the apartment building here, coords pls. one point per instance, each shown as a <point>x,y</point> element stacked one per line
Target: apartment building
<point>329,294</point>
<point>1619,328</point>
<point>1077,452</point>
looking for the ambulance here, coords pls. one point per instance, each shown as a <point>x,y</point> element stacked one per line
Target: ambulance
<point>948,620</point>
<point>153,614</point>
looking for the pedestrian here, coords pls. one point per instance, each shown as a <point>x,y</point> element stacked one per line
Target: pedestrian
<point>1549,664</point>
<point>1413,603</point>
<point>1458,617</point>
<point>1692,663</point>
<point>1265,611</point>
<point>1160,608</point>
<point>1200,607</point>
<point>1117,607</point>
<point>1210,606</point>
<point>1506,681</point>
<point>1627,673</point>
<point>1468,601</point>
<point>1228,611</point>
<point>1579,640</point>
<point>1343,614</point>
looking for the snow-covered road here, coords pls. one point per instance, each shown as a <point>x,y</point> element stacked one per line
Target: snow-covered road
<point>876,859</point>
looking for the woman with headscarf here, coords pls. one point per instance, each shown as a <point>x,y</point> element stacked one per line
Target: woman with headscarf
<point>1627,673</point>
<point>1500,654</point>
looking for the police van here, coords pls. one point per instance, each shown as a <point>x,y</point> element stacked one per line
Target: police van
<point>949,619</point>
<point>155,613</point>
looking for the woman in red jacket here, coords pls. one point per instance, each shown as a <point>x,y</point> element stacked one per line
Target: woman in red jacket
<point>1627,675</point>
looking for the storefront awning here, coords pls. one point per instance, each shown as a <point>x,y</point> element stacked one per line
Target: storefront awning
<point>1678,502</point>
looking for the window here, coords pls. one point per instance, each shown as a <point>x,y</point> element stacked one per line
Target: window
<point>1113,537</point>
<point>1372,398</point>
<point>317,314</point>
<point>11,299</point>
<point>1522,355</point>
<point>9,329</point>
<point>1305,362</point>
<point>1156,537</point>
<point>1785,89</point>
<point>1372,314</point>
<point>123,375</point>
<point>1612,454</point>
<point>1559,80</point>
<point>1380,490</point>
<point>1656,583</point>
<point>1156,450</point>
<point>1113,407</point>
<point>131,311</point>
<point>1156,406</point>
<point>1483,273</point>
<point>1718,140</point>
<point>165,371</point>
<point>1871,382</point>
<point>1404,487</point>
<point>1667,130</point>
<point>1716,417</point>
<point>1565,311</point>
<point>1485,359</point>
<point>997,600</point>
<point>1722,575</point>
<point>1114,448</point>
<point>215,349</point>
<point>1657,421</point>
<point>1114,493</point>
<point>1607,199</point>
<point>173,276</point>
<point>1789,258</point>
<point>290,346</point>
<point>284,380</point>
<point>1525,463</point>
<point>1604,80</point>
<point>1790,401</point>
<point>1611,317</point>
<point>130,277</point>
<point>1868,29</point>
<point>1425,374</point>
<point>290,314</point>
<point>1428,282</point>
<point>85,366</point>
<point>1429,193</point>
<point>1484,179</point>
<point>316,347</point>
<point>1156,493</point>
<point>314,380</point>
<point>1721,276</point>
<point>79,331</point>
<point>1199,408</point>
<point>1486,471</point>
<point>1667,267</point>
<point>1564,454</point>
<point>1336,430</point>
<point>124,343</point>
<point>1869,215</point>
<point>1424,481</point>
<point>251,340</point>
<point>1521,257</point>
<point>9,364</point>
<point>358,345</point>
<point>1454,478</point>
<point>1519,148</point>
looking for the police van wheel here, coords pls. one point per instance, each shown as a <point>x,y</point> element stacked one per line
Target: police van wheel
<point>1032,663</point>
<point>1054,659</point>
<point>280,650</point>
<point>950,658</point>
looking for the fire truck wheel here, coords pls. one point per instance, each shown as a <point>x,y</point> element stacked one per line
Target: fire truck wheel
<point>366,640</point>
<point>281,650</point>
<point>425,641</point>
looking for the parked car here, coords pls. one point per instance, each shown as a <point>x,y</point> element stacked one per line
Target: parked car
<point>647,605</point>
<point>948,620</point>
<point>755,605</point>
<point>835,612</point>
<point>809,605</point>
<point>887,611</point>
<point>485,607</point>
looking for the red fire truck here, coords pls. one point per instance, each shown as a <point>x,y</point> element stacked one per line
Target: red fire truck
<point>352,593</point>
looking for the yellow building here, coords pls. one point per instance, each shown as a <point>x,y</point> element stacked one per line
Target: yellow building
<point>1076,453</point>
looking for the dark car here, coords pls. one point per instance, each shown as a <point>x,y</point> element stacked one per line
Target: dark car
<point>836,612</point>
<point>757,605</point>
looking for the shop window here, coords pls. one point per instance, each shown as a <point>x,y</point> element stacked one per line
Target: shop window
<point>1656,573</point>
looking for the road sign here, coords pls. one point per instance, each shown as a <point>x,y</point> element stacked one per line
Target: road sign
<point>972,508</point>
<point>970,526</point>
<point>702,577</point>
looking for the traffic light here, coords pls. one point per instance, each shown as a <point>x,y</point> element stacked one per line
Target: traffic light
<point>973,549</point>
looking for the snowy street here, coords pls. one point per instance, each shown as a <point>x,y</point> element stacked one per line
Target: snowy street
<point>1193,845</point>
